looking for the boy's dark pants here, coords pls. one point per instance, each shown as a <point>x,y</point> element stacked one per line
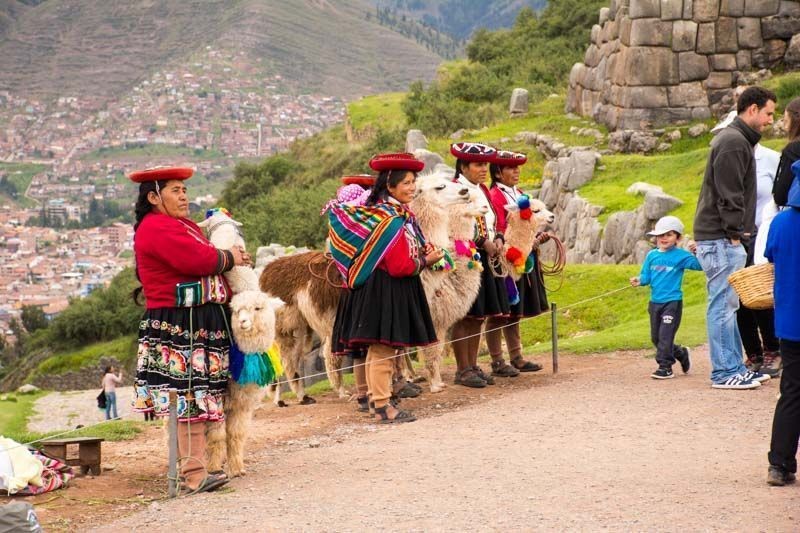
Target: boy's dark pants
<point>664,321</point>
<point>786,423</point>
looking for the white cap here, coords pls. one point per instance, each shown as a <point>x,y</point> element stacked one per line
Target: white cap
<point>667,224</point>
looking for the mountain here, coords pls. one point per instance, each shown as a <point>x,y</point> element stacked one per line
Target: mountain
<point>102,49</point>
<point>460,18</point>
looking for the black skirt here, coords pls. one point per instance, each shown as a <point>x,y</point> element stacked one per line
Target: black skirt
<point>186,348</point>
<point>532,295</point>
<point>385,310</point>
<point>492,297</point>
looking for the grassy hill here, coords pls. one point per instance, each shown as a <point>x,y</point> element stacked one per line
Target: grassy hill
<point>101,49</point>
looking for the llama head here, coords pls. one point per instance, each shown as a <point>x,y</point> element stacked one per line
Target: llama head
<point>526,208</point>
<point>253,320</point>
<point>221,229</point>
<point>461,222</point>
<point>439,189</point>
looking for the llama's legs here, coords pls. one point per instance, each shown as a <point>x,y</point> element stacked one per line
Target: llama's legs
<point>433,358</point>
<point>215,442</point>
<point>333,367</point>
<point>242,402</point>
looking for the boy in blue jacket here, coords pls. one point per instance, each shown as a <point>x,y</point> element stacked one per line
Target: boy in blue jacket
<point>663,271</point>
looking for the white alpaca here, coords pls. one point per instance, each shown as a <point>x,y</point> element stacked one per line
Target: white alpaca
<point>223,232</point>
<point>521,233</point>
<point>253,325</point>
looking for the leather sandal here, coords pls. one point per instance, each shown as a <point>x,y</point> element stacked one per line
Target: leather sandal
<point>400,418</point>
<point>363,404</point>
<point>408,391</point>
<point>211,483</point>
<point>470,378</point>
<point>483,375</point>
<point>525,366</point>
<point>502,369</point>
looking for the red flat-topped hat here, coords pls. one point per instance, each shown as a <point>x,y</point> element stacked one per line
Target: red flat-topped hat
<point>473,152</point>
<point>161,174</point>
<point>365,180</point>
<point>400,161</point>
<point>507,158</point>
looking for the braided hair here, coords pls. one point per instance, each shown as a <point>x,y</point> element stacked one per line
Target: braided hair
<point>386,179</point>
<point>142,208</point>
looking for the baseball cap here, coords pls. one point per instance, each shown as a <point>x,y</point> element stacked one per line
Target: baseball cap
<point>667,224</point>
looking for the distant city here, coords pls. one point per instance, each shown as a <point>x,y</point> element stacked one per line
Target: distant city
<point>61,155</point>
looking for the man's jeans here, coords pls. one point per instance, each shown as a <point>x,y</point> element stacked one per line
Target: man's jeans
<point>719,259</point>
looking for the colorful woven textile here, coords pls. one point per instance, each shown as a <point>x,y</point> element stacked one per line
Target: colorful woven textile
<point>55,474</point>
<point>361,235</point>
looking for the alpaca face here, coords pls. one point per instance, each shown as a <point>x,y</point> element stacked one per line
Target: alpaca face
<point>541,214</point>
<point>438,188</point>
<point>461,222</point>
<point>253,319</point>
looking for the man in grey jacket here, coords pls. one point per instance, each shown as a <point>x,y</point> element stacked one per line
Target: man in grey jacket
<point>725,216</point>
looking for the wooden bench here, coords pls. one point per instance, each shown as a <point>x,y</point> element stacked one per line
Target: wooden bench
<point>76,451</point>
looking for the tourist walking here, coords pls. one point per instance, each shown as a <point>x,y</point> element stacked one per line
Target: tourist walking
<point>110,382</point>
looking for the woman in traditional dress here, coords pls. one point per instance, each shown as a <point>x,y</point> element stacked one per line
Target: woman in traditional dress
<point>380,251</point>
<point>472,171</point>
<point>184,339</point>
<point>530,297</point>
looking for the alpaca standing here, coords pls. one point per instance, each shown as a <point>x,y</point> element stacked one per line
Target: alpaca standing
<point>253,325</point>
<point>311,286</point>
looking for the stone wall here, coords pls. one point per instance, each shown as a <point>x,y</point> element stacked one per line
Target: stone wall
<point>657,62</point>
<point>84,378</point>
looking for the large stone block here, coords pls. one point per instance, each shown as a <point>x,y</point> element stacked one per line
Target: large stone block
<point>671,9</point>
<point>594,34</point>
<point>642,65</point>
<point>700,113</point>
<point>658,204</point>
<point>651,32</point>
<point>644,97</point>
<point>723,62</point>
<point>789,9</point>
<point>415,139</point>
<point>687,9</point>
<point>731,8</point>
<point>780,27</point>
<point>640,119</point>
<point>684,35</point>
<point>719,80</point>
<point>592,56</point>
<point>761,8</point>
<point>518,105</point>
<point>744,60</point>
<point>576,74</point>
<point>706,38</point>
<point>603,17</point>
<point>792,57</point>
<point>645,9</point>
<point>748,31</point>
<point>693,66</point>
<point>705,10</point>
<point>579,169</point>
<point>769,54</point>
<point>727,41</point>
<point>691,94</point>
<point>625,31</point>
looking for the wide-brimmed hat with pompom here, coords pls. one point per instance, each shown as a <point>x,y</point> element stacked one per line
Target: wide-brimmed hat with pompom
<point>398,161</point>
<point>161,174</point>
<point>473,152</point>
<point>507,158</point>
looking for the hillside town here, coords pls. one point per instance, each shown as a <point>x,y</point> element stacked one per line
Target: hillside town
<point>208,113</point>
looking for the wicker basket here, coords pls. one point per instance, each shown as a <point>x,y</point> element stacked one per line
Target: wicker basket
<point>754,285</point>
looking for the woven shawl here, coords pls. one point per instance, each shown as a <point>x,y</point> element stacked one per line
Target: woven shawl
<point>360,236</point>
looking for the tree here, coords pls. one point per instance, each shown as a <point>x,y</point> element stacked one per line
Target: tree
<point>33,318</point>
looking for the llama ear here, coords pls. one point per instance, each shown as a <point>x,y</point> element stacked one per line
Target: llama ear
<point>512,208</point>
<point>236,223</point>
<point>204,223</point>
<point>276,303</point>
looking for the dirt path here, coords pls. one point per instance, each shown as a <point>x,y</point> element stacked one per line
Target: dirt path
<point>66,410</point>
<point>600,446</point>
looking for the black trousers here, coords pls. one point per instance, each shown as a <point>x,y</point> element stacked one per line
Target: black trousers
<point>786,422</point>
<point>751,322</point>
<point>664,322</point>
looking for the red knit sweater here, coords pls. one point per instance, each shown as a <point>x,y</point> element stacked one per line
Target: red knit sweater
<point>170,251</point>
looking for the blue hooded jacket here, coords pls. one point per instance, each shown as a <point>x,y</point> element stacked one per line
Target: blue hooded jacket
<point>783,249</point>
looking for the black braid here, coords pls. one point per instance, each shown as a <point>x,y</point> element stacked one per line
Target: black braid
<point>386,178</point>
<point>142,208</point>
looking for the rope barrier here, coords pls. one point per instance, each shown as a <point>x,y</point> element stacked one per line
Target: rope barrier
<point>398,354</point>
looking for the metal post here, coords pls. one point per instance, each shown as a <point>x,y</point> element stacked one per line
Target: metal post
<point>173,443</point>
<point>554,335</point>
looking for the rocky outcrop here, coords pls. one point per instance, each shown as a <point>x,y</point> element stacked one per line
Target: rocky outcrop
<point>518,104</point>
<point>658,62</point>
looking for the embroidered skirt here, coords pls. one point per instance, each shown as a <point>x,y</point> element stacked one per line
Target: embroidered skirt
<point>492,297</point>
<point>385,310</point>
<point>186,348</point>
<point>532,295</point>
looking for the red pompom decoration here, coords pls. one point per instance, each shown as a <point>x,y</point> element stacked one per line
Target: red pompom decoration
<point>525,214</point>
<point>161,174</point>
<point>513,254</point>
<point>400,161</point>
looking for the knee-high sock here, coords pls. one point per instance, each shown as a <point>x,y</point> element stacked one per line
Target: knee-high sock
<point>380,361</point>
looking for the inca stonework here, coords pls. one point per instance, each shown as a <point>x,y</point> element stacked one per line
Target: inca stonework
<point>657,62</point>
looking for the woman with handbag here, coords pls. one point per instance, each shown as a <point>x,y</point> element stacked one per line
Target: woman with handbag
<point>184,339</point>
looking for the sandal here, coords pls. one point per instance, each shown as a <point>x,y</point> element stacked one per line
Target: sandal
<point>483,375</point>
<point>211,483</point>
<point>503,370</point>
<point>400,418</point>
<point>408,391</point>
<point>525,366</point>
<point>469,378</point>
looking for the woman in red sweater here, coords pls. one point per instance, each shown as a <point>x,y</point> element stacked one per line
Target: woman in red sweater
<point>380,251</point>
<point>184,339</point>
<point>532,298</point>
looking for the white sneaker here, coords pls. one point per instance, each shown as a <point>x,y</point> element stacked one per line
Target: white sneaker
<point>756,376</point>
<point>736,382</point>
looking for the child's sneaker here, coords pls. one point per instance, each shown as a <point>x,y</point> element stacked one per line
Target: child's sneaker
<point>684,360</point>
<point>738,382</point>
<point>662,373</point>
